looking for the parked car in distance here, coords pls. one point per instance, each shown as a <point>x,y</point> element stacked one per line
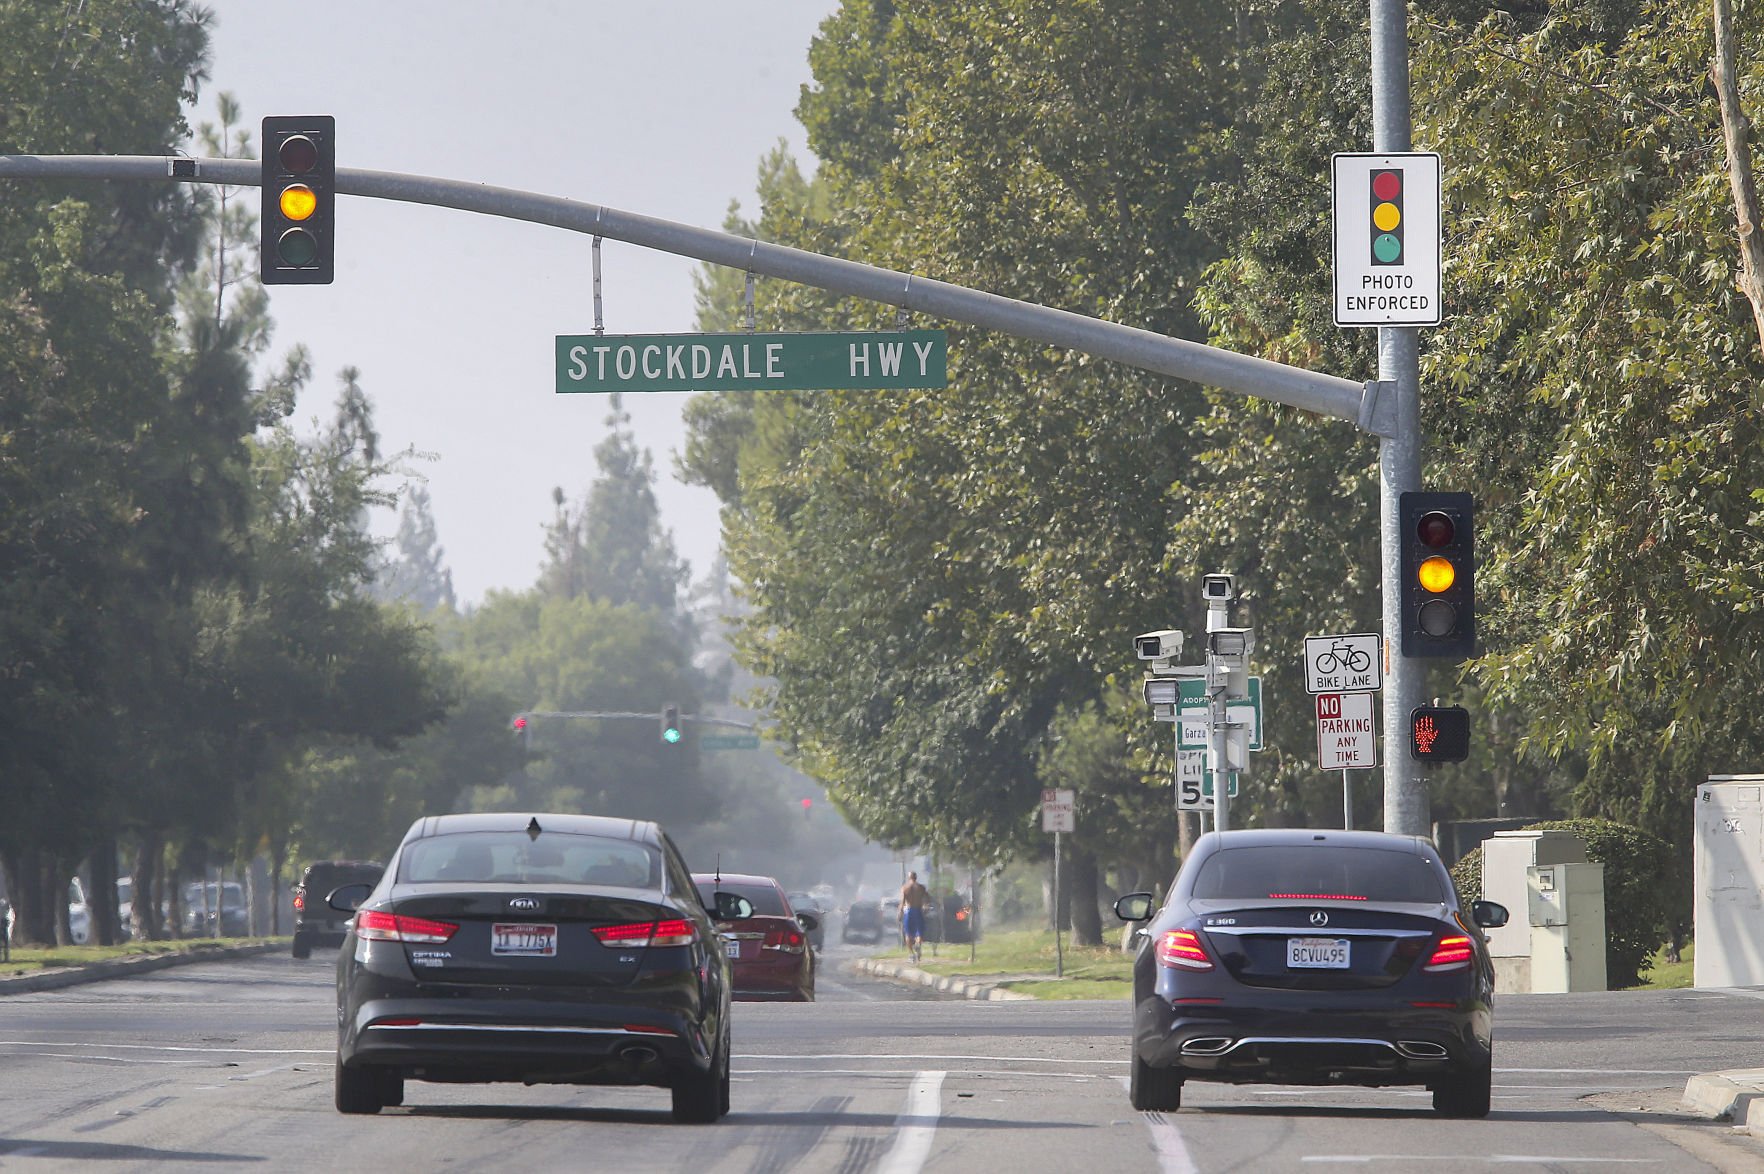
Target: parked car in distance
<point>769,954</point>
<point>537,949</point>
<point>1293,956</point>
<point>216,910</point>
<point>315,922</point>
<point>863,922</point>
<point>809,903</point>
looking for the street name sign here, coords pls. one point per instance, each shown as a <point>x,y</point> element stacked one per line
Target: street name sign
<point>752,362</point>
<point>1057,810</point>
<point>1387,239</point>
<point>1344,664</point>
<point>1347,726</point>
<point>1191,726</point>
<point>728,742</point>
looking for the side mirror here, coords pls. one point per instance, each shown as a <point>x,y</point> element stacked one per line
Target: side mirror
<point>732,907</point>
<point>1134,906</point>
<point>348,898</point>
<point>1488,914</point>
<point>808,921</point>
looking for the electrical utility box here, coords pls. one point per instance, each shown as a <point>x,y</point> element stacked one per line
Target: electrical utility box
<point>1727,856</point>
<point>1554,939</point>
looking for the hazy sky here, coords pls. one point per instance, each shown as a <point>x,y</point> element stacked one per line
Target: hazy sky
<point>662,107</point>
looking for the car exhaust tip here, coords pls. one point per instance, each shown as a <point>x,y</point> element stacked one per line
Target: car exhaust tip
<point>1418,1049</point>
<point>1209,1045</point>
<point>639,1054</point>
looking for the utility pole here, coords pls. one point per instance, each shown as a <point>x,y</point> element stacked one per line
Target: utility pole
<point>1406,808</point>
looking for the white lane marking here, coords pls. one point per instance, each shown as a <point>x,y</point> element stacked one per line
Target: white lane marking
<point>110,1059</point>
<point>1489,1160</point>
<point>1010,1073</point>
<point>1167,1143</point>
<point>917,1125</point>
<point>910,1056</point>
<point>72,1043</point>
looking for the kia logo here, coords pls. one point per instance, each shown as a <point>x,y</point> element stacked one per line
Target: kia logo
<point>1319,918</point>
<point>526,903</point>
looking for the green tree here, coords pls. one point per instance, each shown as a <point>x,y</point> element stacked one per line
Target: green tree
<point>417,575</point>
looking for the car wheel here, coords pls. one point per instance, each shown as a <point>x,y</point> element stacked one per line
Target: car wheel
<point>723,1085</point>
<point>302,946</point>
<point>699,1096</point>
<point>1465,1094</point>
<point>358,1090</point>
<point>1154,1088</point>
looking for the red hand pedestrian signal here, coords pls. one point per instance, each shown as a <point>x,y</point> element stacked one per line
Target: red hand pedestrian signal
<point>1425,734</point>
<point>1439,733</point>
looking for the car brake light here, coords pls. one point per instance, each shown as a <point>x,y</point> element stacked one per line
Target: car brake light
<point>788,941</point>
<point>675,932</point>
<point>1315,897</point>
<point>1182,947</point>
<point>1452,953</point>
<point>378,926</point>
<point>299,902</point>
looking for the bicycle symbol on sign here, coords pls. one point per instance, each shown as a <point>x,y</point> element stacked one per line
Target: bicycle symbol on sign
<point>1343,655</point>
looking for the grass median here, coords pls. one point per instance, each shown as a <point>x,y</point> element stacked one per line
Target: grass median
<point>1023,960</point>
<point>29,959</point>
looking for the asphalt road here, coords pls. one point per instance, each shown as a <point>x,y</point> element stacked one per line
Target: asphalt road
<point>227,1065</point>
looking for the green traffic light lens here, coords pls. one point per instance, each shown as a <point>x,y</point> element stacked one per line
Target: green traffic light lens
<point>671,735</point>
<point>1437,617</point>
<point>296,247</point>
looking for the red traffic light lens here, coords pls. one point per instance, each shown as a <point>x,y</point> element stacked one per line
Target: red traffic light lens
<point>1387,185</point>
<point>1435,530</point>
<point>297,154</point>
<point>520,723</point>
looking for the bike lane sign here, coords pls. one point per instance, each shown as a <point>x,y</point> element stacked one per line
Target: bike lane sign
<point>1344,664</point>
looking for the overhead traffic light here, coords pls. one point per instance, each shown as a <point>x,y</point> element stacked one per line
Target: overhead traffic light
<point>1439,574</point>
<point>1439,733</point>
<point>1387,216</point>
<point>298,195</point>
<point>670,724</point>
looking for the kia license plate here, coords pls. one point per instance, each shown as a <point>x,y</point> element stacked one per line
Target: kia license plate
<point>1317,953</point>
<point>523,940</point>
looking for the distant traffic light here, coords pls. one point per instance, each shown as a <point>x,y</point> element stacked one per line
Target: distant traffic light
<point>1439,733</point>
<point>1438,596</point>
<point>670,724</point>
<point>519,724</point>
<point>298,196</point>
<point>1387,216</point>
<point>806,805</point>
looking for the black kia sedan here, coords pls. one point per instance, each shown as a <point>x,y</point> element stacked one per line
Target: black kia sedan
<point>1287,956</point>
<point>545,949</point>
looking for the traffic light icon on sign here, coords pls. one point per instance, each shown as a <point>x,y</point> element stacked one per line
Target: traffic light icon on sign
<point>1387,216</point>
<point>296,244</point>
<point>1438,596</point>
<point>1439,733</point>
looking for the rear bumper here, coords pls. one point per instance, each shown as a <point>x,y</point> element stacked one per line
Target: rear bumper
<point>1287,1037</point>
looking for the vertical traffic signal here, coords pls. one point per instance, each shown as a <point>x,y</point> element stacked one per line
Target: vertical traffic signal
<point>1439,575</point>
<point>1439,733</point>
<point>298,195</point>
<point>670,724</point>
<point>1387,216</point>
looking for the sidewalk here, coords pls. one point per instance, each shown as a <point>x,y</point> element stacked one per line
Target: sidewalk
<point>12,983</point>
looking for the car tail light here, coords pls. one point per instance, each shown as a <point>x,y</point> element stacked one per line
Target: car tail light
<point>675,932</point>
<point>1182,948</point>
<point>299,902</point>
<point>788,941</point>
<point>1452,953</point>
<point>378,926</point>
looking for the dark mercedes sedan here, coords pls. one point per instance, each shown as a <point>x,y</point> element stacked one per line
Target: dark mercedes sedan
<point>1287,956</point>
<point>551,949</point>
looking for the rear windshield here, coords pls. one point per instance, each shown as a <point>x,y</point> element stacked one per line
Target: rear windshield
<point>332,876</point>
<point>1317,872</point>
<point>555,858</point>
<point>767,902</point>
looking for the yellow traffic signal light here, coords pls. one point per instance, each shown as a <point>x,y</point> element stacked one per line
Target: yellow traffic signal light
<point>298,195</point>
<point>1438,596</point>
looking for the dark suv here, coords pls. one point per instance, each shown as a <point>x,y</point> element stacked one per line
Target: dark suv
<point>315,922</point>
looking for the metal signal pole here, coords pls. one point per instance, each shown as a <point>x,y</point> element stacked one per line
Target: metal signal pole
<point>1406,807</point>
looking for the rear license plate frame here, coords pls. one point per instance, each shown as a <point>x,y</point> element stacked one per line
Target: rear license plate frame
<point>1318,954</point>
<point>523,939</point>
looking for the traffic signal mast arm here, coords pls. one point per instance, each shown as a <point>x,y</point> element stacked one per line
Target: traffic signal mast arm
<point>1360,403</point>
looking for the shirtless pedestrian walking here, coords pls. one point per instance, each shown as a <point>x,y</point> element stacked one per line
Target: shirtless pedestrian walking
<point>913,897</point>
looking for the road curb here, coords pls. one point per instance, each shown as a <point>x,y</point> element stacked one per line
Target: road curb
<point>66,976</point>
<point>1736,1095</point>
<point>960,987</point>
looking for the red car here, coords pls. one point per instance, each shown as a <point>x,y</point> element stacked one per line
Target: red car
<point>769,954</point>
